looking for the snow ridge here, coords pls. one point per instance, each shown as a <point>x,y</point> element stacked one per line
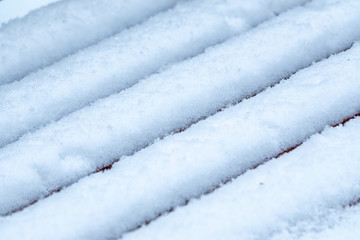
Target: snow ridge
<point>59,29</point>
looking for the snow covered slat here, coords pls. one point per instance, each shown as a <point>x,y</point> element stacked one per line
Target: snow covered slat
<point>188,164</point>
<point>96,136</point>
<point>52,32</point>
<point>323,173</point>
<point>124,59</point>
<point>338,223</point>
<point>10,10</point>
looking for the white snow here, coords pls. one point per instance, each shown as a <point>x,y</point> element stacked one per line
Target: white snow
<point>322,173</point>
<point>188,164</point>
<point>54,31</point>
<point>122,60</point>
<point>95,136</point>
<point>335,225</point>
<point>11,9</point>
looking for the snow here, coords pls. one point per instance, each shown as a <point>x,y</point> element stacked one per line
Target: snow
<point>122,60</point>
<point>54,31</point>
<point>11,9</point>
<point>338,223</point>
<point>67,150</point>
<point>321,173</point>
<point>188,164</point>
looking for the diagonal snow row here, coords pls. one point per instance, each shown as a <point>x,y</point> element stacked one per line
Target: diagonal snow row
<point>52,32</point>
<point>10,10</point>
<point>96,136</point>
<point>338,224</point>
<point>122,60</point>
<point>323,173</point>
<point>188,164</point>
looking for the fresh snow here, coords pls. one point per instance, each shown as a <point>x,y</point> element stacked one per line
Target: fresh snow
<point>322,173</point>
<point>11,9</point>
<point>96,136</point>
<point>191,163</point>
<point>52,32</point>
<point>332,224</point>
<point>125,58</point>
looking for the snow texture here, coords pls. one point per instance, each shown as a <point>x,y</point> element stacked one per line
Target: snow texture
<point>59,29</point>
<point>122,60</point>
<point>321,173</point>
<point>11,9</point>
<point>188,164</point>
<point>64,151</point>
<point>335,225</point>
